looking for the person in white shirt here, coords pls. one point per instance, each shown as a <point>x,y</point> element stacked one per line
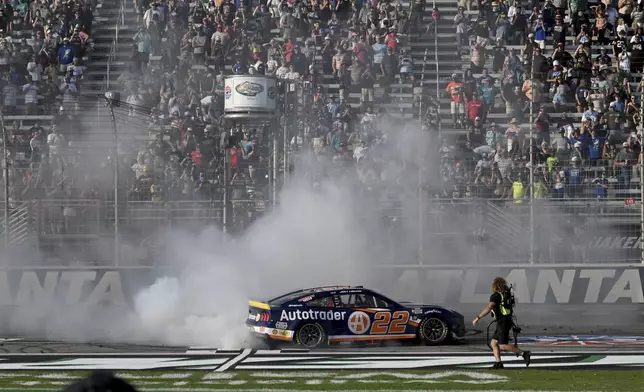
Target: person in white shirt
<point>281,72</point>
<point>198,47</point>
<point>36,147</point>
<point>271,66</point>
<point>31,97</point>
<point>69,91</point>
<point>149,15</point>
<point>625,62</point>
<point>10,94</point>
<point>292,75</point>
<point>56,142</point>
<point>75,72</point>
<point>35,69</point>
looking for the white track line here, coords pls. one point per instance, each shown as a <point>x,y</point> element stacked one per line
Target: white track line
<point>234,361</point>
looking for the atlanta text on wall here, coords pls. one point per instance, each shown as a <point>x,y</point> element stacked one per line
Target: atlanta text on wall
<point>615,243</point>
<point>532,285</point>
<point>83,287</point>
<point>458,285</point>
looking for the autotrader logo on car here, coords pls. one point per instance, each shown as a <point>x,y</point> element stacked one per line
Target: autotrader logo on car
<point>311,315</point>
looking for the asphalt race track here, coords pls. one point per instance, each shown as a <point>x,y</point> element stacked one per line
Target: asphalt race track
<point>477,344</point>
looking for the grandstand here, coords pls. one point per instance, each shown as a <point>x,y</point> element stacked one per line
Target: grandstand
<point>178,157</point>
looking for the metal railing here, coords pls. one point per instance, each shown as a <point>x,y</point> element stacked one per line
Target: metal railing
<point>115,42</point>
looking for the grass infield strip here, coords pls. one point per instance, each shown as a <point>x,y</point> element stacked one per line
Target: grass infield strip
<point>348,381</point>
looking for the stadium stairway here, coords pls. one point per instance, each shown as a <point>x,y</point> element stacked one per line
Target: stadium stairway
<point>115,54</point>
<point>432,65</point>
<point>103,36</point>
<point>435,56</point>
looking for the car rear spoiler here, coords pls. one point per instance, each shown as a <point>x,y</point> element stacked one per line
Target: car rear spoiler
<point>259,305</point>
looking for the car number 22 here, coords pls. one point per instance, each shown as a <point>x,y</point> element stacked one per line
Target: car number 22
<point>386,322</point>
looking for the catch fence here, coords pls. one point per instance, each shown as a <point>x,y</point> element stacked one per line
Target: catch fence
<point>473,231</point>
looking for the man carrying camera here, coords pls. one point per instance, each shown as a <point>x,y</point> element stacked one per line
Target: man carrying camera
<point>501,304</point>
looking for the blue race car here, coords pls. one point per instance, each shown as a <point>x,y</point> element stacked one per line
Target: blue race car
<point>344,314</point>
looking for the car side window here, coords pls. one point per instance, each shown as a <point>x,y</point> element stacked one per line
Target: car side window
<point>381,303</point>
<point>344,301</point>
<point>360,301</point>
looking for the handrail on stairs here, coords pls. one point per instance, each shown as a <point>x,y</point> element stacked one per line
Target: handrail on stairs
<point>120,21</point>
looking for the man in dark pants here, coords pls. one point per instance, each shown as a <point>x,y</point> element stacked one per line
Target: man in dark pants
<point>501,303</point>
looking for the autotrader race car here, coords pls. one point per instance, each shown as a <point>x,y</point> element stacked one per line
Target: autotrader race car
<point>343,314</point>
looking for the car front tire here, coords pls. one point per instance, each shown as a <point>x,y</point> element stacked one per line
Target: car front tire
<point>433,331</point>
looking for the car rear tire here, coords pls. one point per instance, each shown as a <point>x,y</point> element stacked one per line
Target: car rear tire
<point>311,335</point>
<point>433,331</point>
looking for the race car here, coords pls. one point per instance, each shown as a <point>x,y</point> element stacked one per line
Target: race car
<point>318,316</point>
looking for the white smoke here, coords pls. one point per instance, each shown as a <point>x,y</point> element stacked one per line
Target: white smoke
<point>312,239</point>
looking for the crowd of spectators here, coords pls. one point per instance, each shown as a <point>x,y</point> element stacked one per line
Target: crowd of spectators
<point>578,67</point>
<point>43,48</point>
<point>182,52</point>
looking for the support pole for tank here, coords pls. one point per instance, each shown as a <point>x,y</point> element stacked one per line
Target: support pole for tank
<point>117,245</point>
<point>421,213</point>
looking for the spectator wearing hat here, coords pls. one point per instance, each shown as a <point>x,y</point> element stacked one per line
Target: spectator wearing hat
<point>622,166</point>
<point>65,54</point>
<point>461,22</point>
<point>455,91</point>
<point>488,92</point>
<point>574,175</point>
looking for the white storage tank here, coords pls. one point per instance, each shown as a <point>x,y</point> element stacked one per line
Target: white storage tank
<point>250,96</point>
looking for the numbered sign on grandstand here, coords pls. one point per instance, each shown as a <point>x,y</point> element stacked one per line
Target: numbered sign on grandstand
<point>629,201</point>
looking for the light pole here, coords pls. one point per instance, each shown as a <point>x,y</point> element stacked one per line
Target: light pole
<point>5,140</point>
<point>113,99</point>
<point>641,165</point>
<point>531,188</point>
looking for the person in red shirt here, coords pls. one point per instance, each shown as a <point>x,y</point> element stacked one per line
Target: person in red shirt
<point>475,108</point>
<point>196,156</point>
<point>360,50</point>
<point>288,51</point>
<point>391,39</point>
